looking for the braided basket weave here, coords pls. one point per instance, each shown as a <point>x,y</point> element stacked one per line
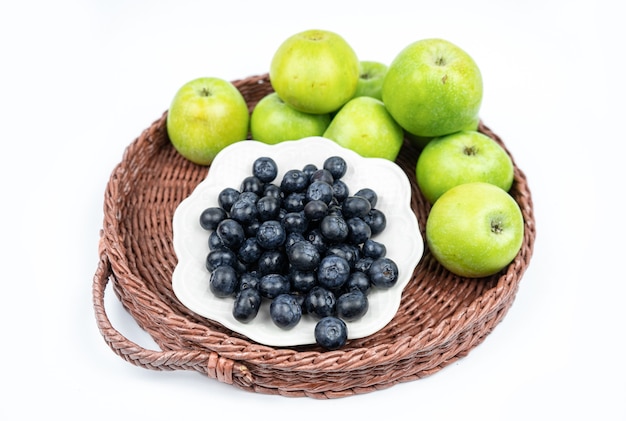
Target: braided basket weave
<point>441,316</point>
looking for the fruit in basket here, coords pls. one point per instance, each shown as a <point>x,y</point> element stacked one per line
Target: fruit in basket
<point>475,229</point>
<point>460,158</point>
<point>371,76</point>
<point>206,115</point>
<point>365,126</point>
<point>315,71</point>
<point>433,88</point>
<point>273,121</point>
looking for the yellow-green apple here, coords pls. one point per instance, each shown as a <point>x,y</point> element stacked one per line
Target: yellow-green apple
<point>273,121</point>
<point>475,229</point>
<point>371,76</point>
<point>433,88</point>
<point>459,158</point>
<point>206,115</point>
<point>365,126</point>
<point>315,71</point>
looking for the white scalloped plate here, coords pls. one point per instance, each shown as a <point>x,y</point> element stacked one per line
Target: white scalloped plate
<point>401,236</point>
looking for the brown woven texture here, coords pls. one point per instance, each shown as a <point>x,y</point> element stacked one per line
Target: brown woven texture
<point>442,316</point>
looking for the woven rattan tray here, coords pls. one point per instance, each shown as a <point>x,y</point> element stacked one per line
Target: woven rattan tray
<point>441,318</point>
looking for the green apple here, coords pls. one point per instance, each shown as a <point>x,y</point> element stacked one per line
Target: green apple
<point>459,158</point>
<point>371,76</point>
<point>421,141</point>
<point>206,115</point>
<point>315,71</point>
<point>273,121</point>
<point>433,88</point>
<point>475,229</point>
<point>365,126</point>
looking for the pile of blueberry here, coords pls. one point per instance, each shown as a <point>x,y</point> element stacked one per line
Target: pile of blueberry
<point>304,243</point>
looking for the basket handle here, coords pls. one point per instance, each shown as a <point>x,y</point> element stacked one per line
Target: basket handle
<point>211,363</point>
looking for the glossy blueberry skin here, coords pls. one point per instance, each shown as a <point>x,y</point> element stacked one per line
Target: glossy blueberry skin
<point>265,169</point>
<point>333,272</point>
<point>227,197</point>
<point>244,211</point>
<point>322,175</point>
<point>349,252</point>
<point>268,207</point>
<point>211,217</point>
<point>377,221</point>
<point>285,311</point>
<point>334,228</point>
<point>355,206</point>
<point>220,257</point>
<point>319,190</point>
<point>309,169</point>
<point>215,242</point>
<point>294,202</point>
<point>271,235</point>
<point>273,284</point>
<point>369,194</point>
<point>373,249</point>
<point>247,304</point>
<point>336,165</point>
<point>303,256</point>
<point>272,190</point>
<point>302,281</point>
<point>272,261</point>
<point>294,180</point>
<point>331,333</point>
<point>316,238</point>
<point>358,231</point>
<point>223,281</point>
<point>231,233</point>
<point>352,305</point>
<point>359,280</point>
<point>250,251</point>
<point>248,280</point>
<point>295,222</point>
<point>315,210</point>
<point>340,190</point>
<point>252,184</point>
<point>383,273</point>
<point>320,302</point>
<point>293,238</point>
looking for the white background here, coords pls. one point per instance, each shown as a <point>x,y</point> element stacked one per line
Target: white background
<point>81,79</point>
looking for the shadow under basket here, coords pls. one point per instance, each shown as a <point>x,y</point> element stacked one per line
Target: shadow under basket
<point>442,317</point>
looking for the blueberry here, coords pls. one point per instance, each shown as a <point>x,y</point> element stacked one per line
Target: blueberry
<point>272,190</point>
<point>358,230</point>
<point>303,256</point>
<point>223,281</point>
<point>334,228</point>
<point>227,197</point>
<point>215,242</point>
<point>294,202</point>
<point>316,238</point>
<point>231,233</point>
<point>285,311</point>
<point>376,220</point>
<point>355,206</point>
<point>246,305</point>
<point>369,194</point>
<point>333,272</point>
<point>340,190</point>
<point>319,190</point>
<point>373,249</point>
<point>250,251</point>
<point>309,169</point>
<point>244,211</point>
<point>348,251</point>
<point>358,280</point>
<point>273,284</point>
<point>322,175</point>
<point>331,333</point>
<point>294,181</point>
<point>252,184</point>
<point>268,207</point>
<point>293,238</point>
<point>336,165</point>
<point>383,273</point>
<point>315,210</point>
<point>271,234</point>
<point>220,257</point>
<point>210,217</point>
<point>295,222</point>
<point>248,280</point>
<point>352,305</point>
<point>320,302</point>
<point>302,281</point>
<point>272,261</point>
<point>265,169</point>
<point>363,264</point>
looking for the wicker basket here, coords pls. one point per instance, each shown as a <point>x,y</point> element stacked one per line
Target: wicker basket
<point>441,318</point>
